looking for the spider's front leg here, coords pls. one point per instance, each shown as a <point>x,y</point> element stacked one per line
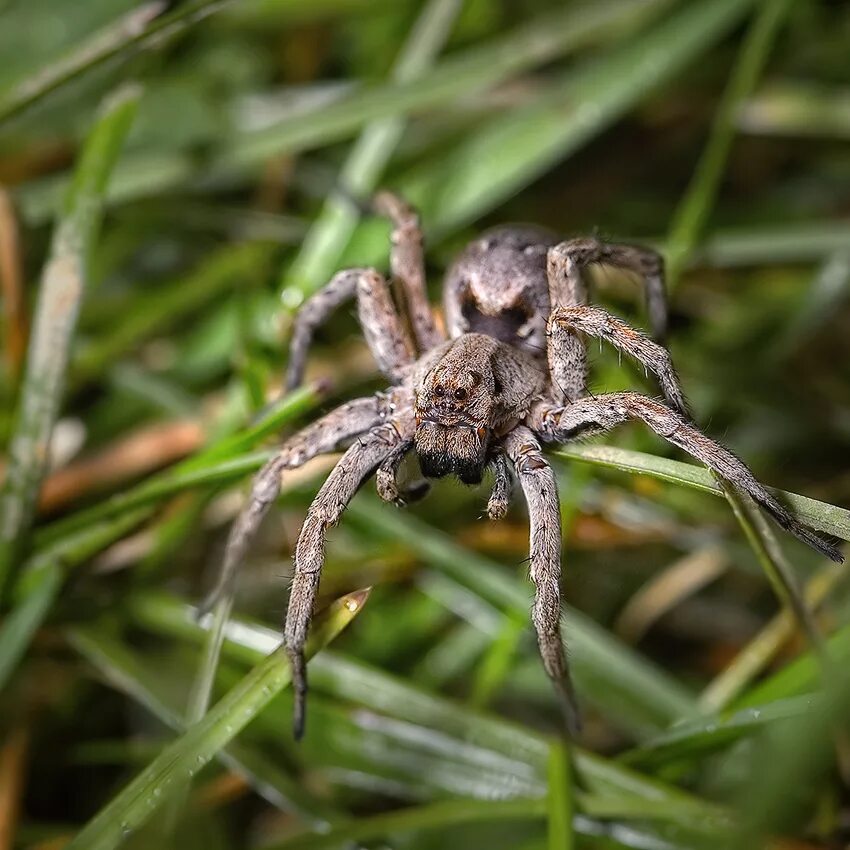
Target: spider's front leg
<point>570,317</point>
<point>339,488</point>
<point>324,435</point>
<point>596,415</point>
<point>541,493</point>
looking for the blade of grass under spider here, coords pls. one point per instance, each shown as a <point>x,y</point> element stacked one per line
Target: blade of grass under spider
<point>221,461</point>
<point>185,757</point>
<point>61,290</point>
<point>801,675</point>
<point>820,515</point>
<point>138,28</point>
<point>509,152</point>
<point>688,741</point>
<point>560,798</point>
<point>324,243</point>
<point>349,680</point>
<point>695,207</point>
<point>126,670</point>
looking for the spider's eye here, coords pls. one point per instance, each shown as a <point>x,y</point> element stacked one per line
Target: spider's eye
<point>460,394</point>
<point>439,391</point>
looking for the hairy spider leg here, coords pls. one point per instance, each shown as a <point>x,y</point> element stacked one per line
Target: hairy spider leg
<point>541,494</point>
<point>385,333</point>
<point>320,437</point>
<point>600,414</point>
<point>566,352</point>
<point>407,265</point>
<point>357,464</point>
<point>500,492</point>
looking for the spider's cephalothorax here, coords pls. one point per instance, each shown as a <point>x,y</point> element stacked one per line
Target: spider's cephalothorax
<point>467,390</point>
<point>509,374</point>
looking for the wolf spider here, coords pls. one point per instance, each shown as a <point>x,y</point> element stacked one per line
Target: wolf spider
<point>508,375</point>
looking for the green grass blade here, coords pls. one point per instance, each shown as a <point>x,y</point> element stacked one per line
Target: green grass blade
<point>802,675</point>
<point>820,515</point>
<point>695,207</point>
<point>543,40</point>
<point>778,571</point>
<point>127,671</point>
<point>420,819</point>
<point>324,243</point>
<point>606,670</point>
<point>759,651</point>
<point>699,738</point>
<point>560,798</point>
<point>137,28</point>
<point>458,727</point>
<point>801,748</point>
<point>63,283</point>
<point>21,623</point>
<point>802,242</point>
<point>179,300</point>
<point>180,761</point>
<point>511,151</point>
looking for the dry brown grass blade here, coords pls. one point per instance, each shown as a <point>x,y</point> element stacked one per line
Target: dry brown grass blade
<point>15,329</point>
<point>680,580</point>
<point>139,453</point>
<point>13,758</point>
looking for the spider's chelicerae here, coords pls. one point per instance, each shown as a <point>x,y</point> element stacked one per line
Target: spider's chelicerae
<point>507,375</point>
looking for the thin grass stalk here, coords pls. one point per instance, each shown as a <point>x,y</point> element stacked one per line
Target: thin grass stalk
<point>560,798</point>
<point>15,320</point>
<point>141,27</point>
<point>758,653</point>
<point>185,757</point>
<point>323,245</point>
<point>694,209</point>
<point>61,291</point>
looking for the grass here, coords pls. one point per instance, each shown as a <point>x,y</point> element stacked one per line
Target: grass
<point>175,179</point>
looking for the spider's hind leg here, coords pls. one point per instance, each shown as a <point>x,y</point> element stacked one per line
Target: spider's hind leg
<point>407,265</point>
<point>384,331</point>
<point>565,265</point>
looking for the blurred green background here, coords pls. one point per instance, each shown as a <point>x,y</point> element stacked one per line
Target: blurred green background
<point>184,172</point>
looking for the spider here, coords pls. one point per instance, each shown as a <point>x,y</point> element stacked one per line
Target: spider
<point>508,375</point>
